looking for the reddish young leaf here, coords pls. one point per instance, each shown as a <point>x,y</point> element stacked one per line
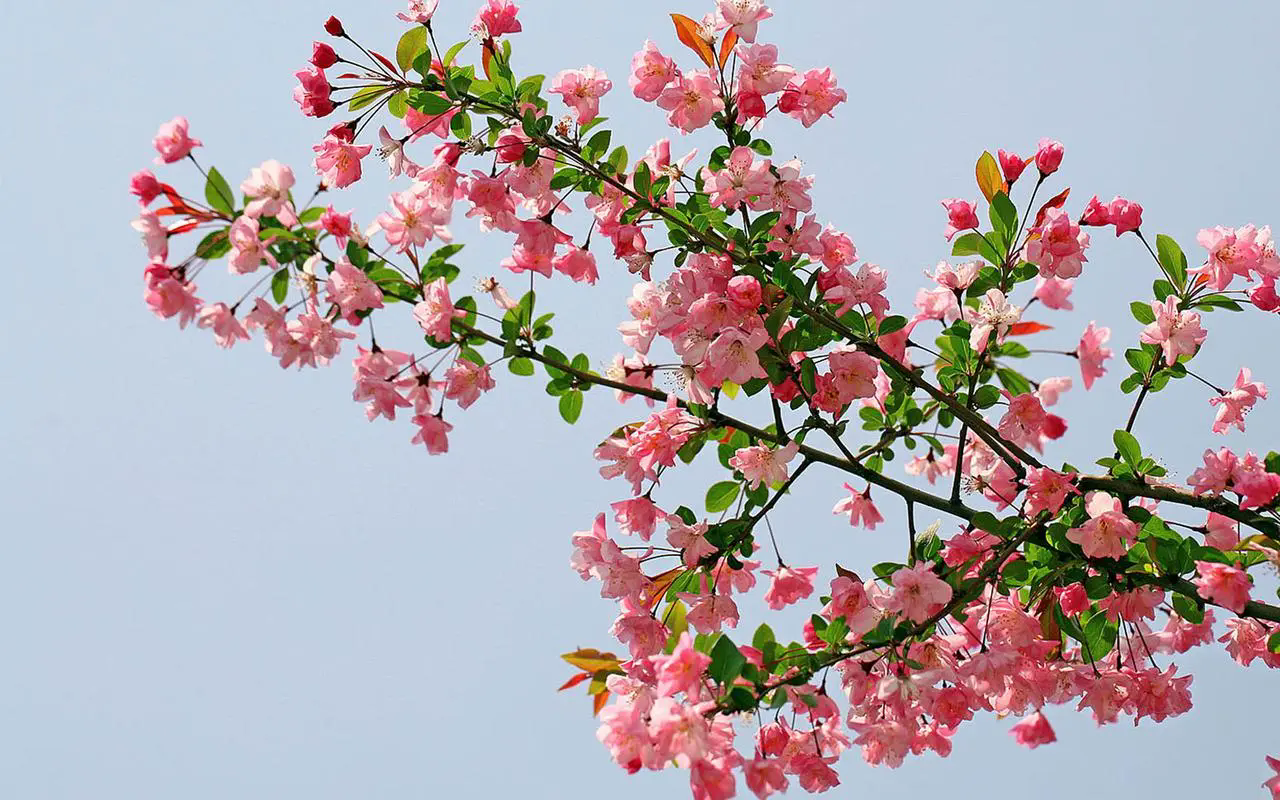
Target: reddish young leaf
<point>658,586</point>
<point>386,62</point>
<point>1025,328</point>
<point>574,681</point>
<point>726,47</point>
<point>486,56</point>
<point>598,702</point>
<point>1057,202</point>
<point>687,30</point>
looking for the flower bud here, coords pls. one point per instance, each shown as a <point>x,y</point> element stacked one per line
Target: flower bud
<point>1096,213</point>
<point>333,26</point>
<point>1049,156</point>
<point>1012,166</point>
<point>322,55</point>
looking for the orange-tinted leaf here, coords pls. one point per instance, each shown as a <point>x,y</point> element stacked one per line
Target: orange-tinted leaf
<point>486,56</point>
<point>1025,328</point>
<point>990,179</point>
<point>1056,202</point>
<point>687,30</point>
<point>1048,622</point>
<point>592,660</point>
<point>658,587</point>
<point>598,702</point>
<point>184,227</point>
<point>574,681</point>
<point>726,47</point>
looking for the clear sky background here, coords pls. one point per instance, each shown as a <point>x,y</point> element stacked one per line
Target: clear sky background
<point>218,580</point>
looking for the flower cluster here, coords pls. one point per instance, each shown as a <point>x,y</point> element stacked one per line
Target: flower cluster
<point>1054,586</point>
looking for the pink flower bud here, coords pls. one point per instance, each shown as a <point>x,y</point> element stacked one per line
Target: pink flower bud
<point>960,216</point>
<point>333,26</point>
<point>1011,165</point>
<point>322,55</point>
<point>745,293</point>
<point>1049,156</point>
<point>1095,213</point>
<point>1126,215</point>
<point>1073,599</point>
<point>1264,296</point>
<point>144,185</point>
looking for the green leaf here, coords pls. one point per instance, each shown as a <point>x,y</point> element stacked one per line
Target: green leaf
<point>1128,447</point>
<point>764,634</point>
<point>411,45</point>
<point>986,396</point>
<point>642,179</point>
<point>280,286</point>
<point>721,495</point>
<point>1273,643</point>
<point>365,97</point>
<point>520,366</point>
<point>972,244</point>
<point>1172,259</point>
<point>429,103</point>
<point>1142,312</point>
<point>1188,609</point>
<point>218,193</point>
<point>571,406</point>
<point>453,51</point>
<point>398,104</point>
<point>726,661</point>
<point>1004,216</point>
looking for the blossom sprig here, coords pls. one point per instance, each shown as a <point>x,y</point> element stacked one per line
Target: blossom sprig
<point>1054,586</point>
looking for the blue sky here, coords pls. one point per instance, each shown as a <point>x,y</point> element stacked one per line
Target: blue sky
<point>220,581</point>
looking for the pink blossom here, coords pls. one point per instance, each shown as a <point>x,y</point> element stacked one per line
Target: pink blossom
<point>759,73</point>
<point>1224,585</point>
<point>789,585</point>
<point>267,189</point>
<point>312,94</point>
<point>412,221</point>
<point>1073,599</point>
<point>682,670</point>
<point>433,433</point>
<point>957,277</point>
<point>226,328</point>
<point>1234,404</point>
<point>581,90</point>
<point>1023,422</point>
<point>1221,532</point>
<point>350,289</point>
<point>1108,533</point>
<point>338,162</point>
<point>1215,474</point>
<point>1055,293</point>
<point>1057,245</point>
<point>155,236</point>
<point>578,264</point>
<point>762,464</point>
<point>535,248</point>
<point>1246,640</point>
<point>859,507</point>
<point>814,772</point>
<point>1047,490</point>
<point>420,11</point>
<point>336,224</point>
<point>765,776</point>
<point>810,96</point>
<point>741,178</point>
<point>1232,252</point>
<point>1048,156</point>
<point>248,252</point>
<point>651,72</point>
<point>960,217</point>
<point>638,516</point>
<point>1033,730</point>
<point>466,381</point>
<point>1092,354</point>
<point>918,593</point>
<point>1051,388</point>
<point>1177,332</point>
<point>837,249</point>
<point>1096,213</point>
<point>172,141</point>
<point>1126,215</point>
<point>743,17</point>
<point>1273,783</point>
<point>322,55</point>
<point>994,315</point>
<point>436,312</point>
<point>690,101</point>
<point>732,356</point>
<point>144,185</point>
<point>497,18</point>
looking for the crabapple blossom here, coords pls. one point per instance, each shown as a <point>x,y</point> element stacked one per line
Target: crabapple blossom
<point>172,141</point>
<point>1177,332</point>
<point>581,90</point>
